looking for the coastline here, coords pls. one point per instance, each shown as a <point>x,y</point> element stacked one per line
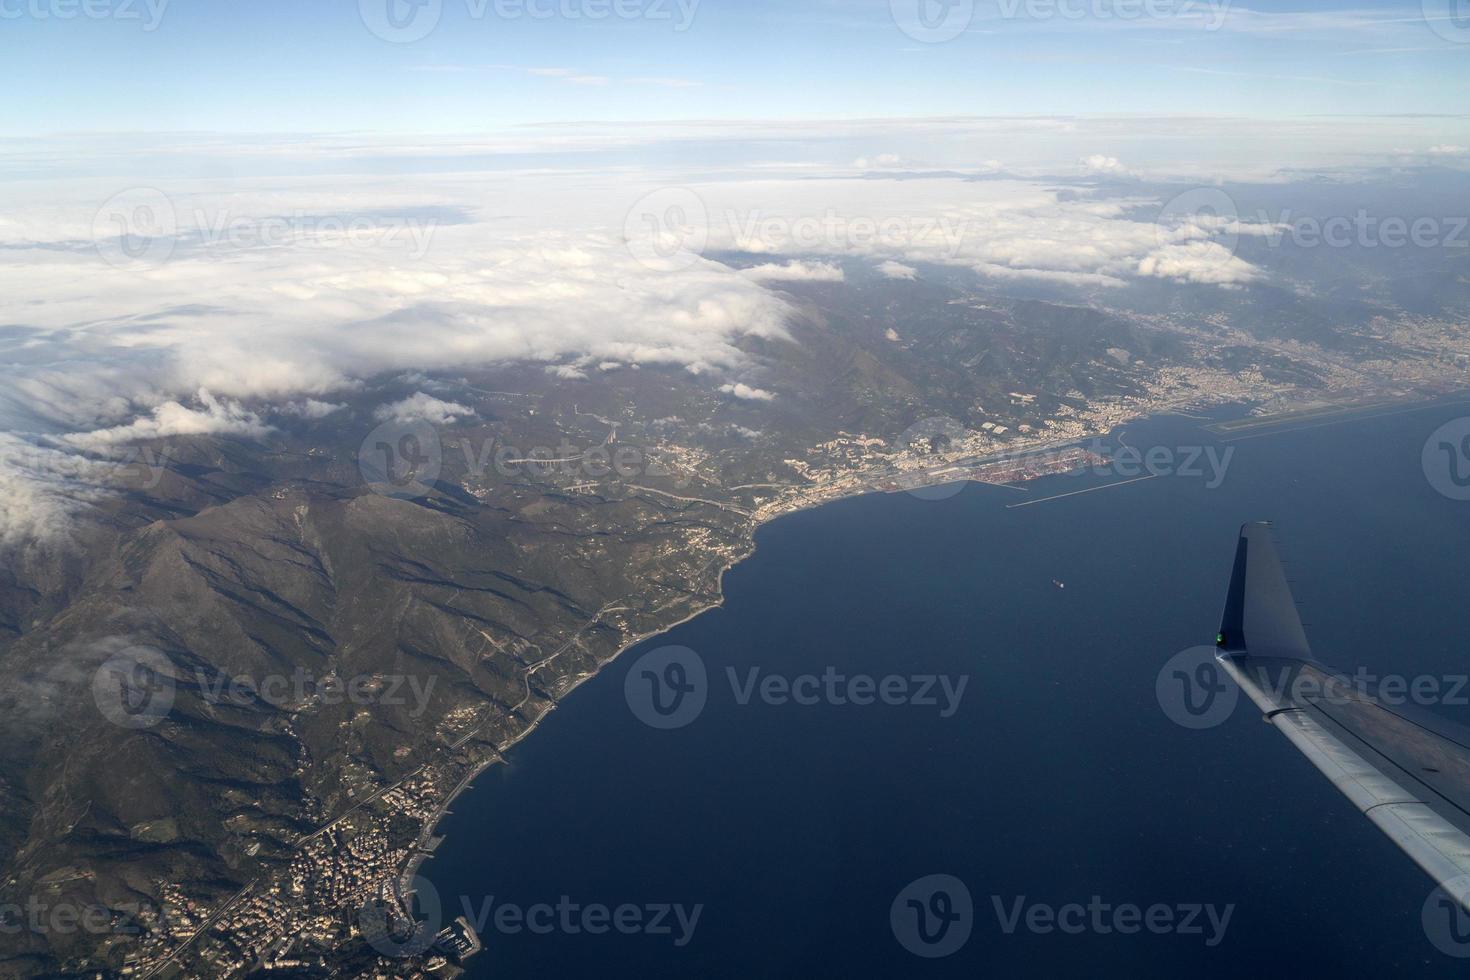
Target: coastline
<point>420,856</point>
<point>756,521</point>
<point>947,469</point>
<point>605,810</point>
<point>1348,408</point>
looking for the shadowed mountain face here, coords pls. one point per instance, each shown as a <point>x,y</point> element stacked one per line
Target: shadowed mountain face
<point>436,608</point>
<point>264,636</point>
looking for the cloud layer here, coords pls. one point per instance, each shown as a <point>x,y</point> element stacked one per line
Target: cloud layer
<point>141,313</point>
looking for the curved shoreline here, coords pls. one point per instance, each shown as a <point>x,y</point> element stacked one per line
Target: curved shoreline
<point>420,856</point>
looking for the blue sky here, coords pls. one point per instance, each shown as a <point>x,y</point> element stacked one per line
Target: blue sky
<point>315,66</point>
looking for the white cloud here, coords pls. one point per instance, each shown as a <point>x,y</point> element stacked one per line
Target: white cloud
<point>897,270</point>
<point>42,489</point>
<point>310,408</point>
<point>795,271</point>
<point>1099,163</point>
<point>1061,277</point>
<point>420,407</point>
<point>882,161</point>
<point>214,416</point>
<point>1005,229</point>
<point>1198,262</point>
<point>467,270</point>
<point>746,392</point>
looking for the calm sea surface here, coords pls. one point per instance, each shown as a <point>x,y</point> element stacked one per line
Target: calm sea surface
<point>1057,779</point>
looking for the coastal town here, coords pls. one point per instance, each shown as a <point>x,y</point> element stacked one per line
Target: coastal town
<point>342,902</point>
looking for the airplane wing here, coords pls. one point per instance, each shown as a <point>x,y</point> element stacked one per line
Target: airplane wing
<point>1405,769</point>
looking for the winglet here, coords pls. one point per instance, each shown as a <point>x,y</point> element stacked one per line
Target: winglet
<point>1260,614</point>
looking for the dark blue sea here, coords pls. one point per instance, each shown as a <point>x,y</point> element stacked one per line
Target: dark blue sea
<point>1058,778</point>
